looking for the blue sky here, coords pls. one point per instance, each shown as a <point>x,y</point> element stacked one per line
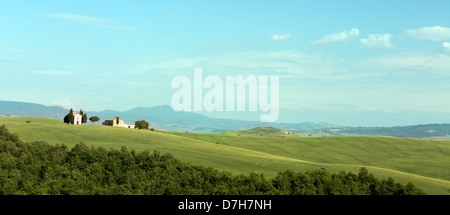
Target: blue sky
<point>371,63</point>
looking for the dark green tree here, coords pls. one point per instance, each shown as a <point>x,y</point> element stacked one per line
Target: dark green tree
<point>141,124</point>
<point>66,119</point>
<point>84,119</point>
<point>94,119</point>
<point>69,118</point>
<point>117,120</point>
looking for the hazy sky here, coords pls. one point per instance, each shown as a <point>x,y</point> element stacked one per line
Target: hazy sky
<point>332,57</point>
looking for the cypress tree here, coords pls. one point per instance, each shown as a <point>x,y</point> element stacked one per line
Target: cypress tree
<point>71,117</point>
<point>84,119</point>
<point>66,119</point>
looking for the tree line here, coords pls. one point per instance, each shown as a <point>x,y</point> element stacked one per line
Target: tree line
<point>39,168</point>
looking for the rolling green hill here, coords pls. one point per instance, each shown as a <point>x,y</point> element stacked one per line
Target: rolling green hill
<point>424,163</point>
<point>162,117</point>
<point>429,131</point>
<point>261,131</point>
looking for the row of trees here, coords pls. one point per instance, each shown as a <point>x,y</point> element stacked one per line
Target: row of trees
<point>39,168</point>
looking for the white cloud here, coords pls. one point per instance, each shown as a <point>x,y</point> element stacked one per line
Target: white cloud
<point>430,33</point>
<point>76,18</point>
<point>377,41</point>
<point>53,72</point>
<point>372,108</point>
<point>436,64</point>
<point>137,83</point>
<point>65,103</point>
<point>339,37</point>
<point>18,50</point>
<point>277,37</point>
<point>446,46</point>
<point>85,20</point>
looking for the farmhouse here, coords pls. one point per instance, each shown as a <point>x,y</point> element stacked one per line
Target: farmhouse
<point>113,122</point>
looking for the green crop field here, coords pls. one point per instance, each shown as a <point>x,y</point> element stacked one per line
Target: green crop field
<point>261,131</point>
<point>425,163</point>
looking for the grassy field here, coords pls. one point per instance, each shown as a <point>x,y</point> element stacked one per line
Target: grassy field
<point>425,163</point>
<point>261,131</point>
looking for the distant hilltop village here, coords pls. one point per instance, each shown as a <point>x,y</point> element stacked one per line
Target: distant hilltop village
<point>81,118</point>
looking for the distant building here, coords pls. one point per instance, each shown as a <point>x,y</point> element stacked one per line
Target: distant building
<point>113,122</point>
<point>74,118</point>
<point>77,119</point>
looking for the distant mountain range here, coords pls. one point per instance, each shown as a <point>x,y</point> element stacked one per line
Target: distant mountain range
<point>160,117</point>
<point>164,118</point>
<point>30,109</point>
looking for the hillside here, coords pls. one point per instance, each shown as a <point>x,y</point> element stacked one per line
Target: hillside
<point>421,162</point>
<point>38,168</point>
<point>261,131</point>
<point>160,117</point>
<point>164,118</point>
<point>430,131</point>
